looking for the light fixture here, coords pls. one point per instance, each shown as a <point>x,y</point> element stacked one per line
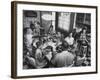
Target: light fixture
<point>47,17</point>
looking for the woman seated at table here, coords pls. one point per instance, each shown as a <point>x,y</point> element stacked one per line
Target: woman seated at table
<point>70,40</point>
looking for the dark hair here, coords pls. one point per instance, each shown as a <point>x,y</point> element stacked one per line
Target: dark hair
<point>25,30</point>
<point>32,26</point>
<point>65,45</point>
<point>49,47</point>
<point>38,44</point>
<point>84,29</point>
<point>59,48</point>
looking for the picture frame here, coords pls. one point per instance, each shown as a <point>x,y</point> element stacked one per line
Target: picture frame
<point>50,20</point>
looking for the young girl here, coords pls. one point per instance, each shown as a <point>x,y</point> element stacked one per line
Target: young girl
<point>84,42</point>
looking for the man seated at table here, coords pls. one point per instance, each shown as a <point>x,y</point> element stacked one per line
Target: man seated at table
<point>63,58</point>
<point>42,58</point>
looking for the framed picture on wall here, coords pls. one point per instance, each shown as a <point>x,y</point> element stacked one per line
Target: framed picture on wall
<point>49,39</point>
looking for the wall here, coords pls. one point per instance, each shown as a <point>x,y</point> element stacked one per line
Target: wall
<point>28,20</point>
<point>5,41</point>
